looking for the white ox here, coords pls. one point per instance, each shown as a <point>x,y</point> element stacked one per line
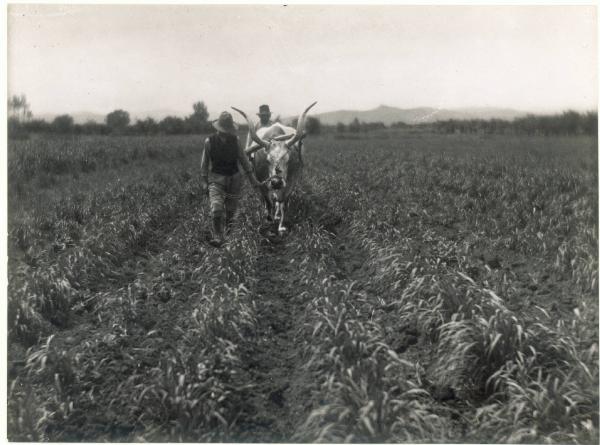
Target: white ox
<point>277,163</point>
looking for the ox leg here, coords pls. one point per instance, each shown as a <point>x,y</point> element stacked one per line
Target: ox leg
<point>269,209</point>
<point>268,205</point>
<point>281,209</point>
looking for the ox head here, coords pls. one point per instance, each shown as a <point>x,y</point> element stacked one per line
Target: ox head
<point>278,149</point>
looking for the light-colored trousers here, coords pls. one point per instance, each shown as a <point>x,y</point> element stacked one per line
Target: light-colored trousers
<point>224,192</point>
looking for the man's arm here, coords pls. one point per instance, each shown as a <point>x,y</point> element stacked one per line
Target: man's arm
<point>204,166</point>
<point>205,161</point>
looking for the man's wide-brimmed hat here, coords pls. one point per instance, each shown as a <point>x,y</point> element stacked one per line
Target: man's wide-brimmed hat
<point>225,123</point>
<point>263,110</point>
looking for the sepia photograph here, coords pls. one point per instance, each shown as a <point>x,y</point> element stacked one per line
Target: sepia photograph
<point>293,223</point>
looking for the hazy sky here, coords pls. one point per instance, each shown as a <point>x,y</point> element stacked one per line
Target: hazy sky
<point>101,57</point>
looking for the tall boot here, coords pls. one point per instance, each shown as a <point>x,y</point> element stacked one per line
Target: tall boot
<point>217,223</point>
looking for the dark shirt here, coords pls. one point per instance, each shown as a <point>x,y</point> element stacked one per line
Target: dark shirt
<point>222,154</point>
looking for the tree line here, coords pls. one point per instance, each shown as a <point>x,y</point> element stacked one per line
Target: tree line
<point>357,126</point>
<point>22,122</point>
<point>117,122</point>
<point>568,123</point>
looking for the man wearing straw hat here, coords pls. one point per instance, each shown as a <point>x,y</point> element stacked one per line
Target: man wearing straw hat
<point>220,175</point>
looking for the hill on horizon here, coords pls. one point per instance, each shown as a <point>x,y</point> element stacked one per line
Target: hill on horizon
<point>389,115</point>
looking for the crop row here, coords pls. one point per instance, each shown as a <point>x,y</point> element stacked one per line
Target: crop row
<point>42,163</point>
<point>58,258</point>
<point>501,374</point>
<point>136,326</point>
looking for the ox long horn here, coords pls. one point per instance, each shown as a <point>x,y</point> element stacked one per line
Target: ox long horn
<point>253,135</point>
<point>300,128</point>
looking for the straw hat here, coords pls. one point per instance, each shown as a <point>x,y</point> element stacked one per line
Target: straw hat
<point>225,123</point>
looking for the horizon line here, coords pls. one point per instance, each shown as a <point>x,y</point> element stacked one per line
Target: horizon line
<point>175,112</point>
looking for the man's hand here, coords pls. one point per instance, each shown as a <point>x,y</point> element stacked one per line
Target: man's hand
<point>255,184</point>
<point>204,185</point>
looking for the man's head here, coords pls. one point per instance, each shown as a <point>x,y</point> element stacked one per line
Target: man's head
<point>264,113</point>
<point>225,123</point>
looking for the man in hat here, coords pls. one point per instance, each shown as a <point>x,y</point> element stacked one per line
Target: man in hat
<point>220,175</point>
<point>264,114</point>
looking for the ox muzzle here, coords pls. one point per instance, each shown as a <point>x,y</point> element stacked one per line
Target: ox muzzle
<point>276,182</point>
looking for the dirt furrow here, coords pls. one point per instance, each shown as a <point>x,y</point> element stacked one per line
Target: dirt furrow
<point>272,356</point>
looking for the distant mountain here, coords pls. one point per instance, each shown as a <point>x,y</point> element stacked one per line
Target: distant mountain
<point>389,115</point>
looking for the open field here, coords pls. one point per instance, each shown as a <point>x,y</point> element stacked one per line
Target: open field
<point>431,289</point>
